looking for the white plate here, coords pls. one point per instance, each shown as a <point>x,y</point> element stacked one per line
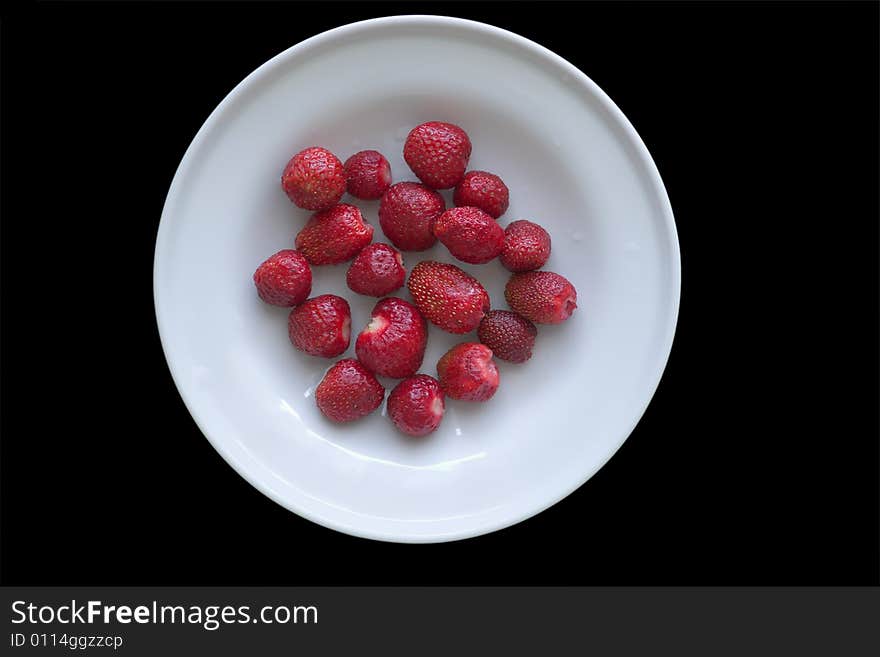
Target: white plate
<point>573,163</point>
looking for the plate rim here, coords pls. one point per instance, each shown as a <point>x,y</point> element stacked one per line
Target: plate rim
<point>536,49</point>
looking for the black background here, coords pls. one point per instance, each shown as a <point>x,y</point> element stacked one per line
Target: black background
<point>756,463</point>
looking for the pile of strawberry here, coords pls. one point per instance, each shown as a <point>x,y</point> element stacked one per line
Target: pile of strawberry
<point>413,217</point>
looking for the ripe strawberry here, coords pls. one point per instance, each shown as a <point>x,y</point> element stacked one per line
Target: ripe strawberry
<point>467,372</point>
<point>438,153</point>
<point>407,214</point>
<point>393,343</point>
<point>314,179</point>
<point>416,405</point>
<point>541,296</point>
<point>526,246</point>
<point>284,279</point>
<point>334,235</point>
<point>376,271</point>
<point>348,392</point>
<point>470,234</point>
<point>484,190</point>
<point>447,296</point>
<point>368,173</point>
<point>509,335</point>
<point>321,326</point>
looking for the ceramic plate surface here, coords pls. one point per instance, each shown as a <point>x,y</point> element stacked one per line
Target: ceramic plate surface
<point>573,163</point>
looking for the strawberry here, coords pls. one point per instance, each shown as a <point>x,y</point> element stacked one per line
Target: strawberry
<point>416,405</point>
<point>321,326</point>
<point>470,234</point>
<point>407,214</point>
<point>314,179</point>
<point>526,246</point>
<point>509,335</point>
<point>368,174</point>
<point>541,296</point>
<point>284,279</point>
<point>447,296</point>
<point>376,271</point>
<point>393,343</point>
<point>467,372</point>
<point>348,392</point>
<point>484,190</point>
<point>438,153</point>
<point>334,235</point>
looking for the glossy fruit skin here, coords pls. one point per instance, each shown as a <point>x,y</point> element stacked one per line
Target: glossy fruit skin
<point>284,279</point>
<point>470,234</point>
<point>393,343</point>
<point>526,246</point>
<point>544,297</point>
<point>448,296</point>
<point>468,373</point>
<point>348,392</point>
<point>484,190</point>
<point>509,335</point>
<point>368,175</point>
<point>334,235</point>
<point>438,153</point>
<point>407,214</point>
<point>321,326</point>
<point>416,405</point>
<point>314,179</point>
<point>376,271</point>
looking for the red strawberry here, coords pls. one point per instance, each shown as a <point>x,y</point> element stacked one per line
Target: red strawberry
<point>368,173</point>
<point>447,296</point>
<point>284,279</point>
<point>376,271</point>
<point>314,179</point>
<point>416,405</point>
<point>526,246</point>
<point>509,335</point>
<point>541,296</point>
<point>484,190</point>
<point>467,372</point>
<point>335,235</point>
<point>470,234</point>
<point>438,153</point>
<point>348,392</point>
<point>407,214</point>
<point>321,326</point>
<point>393,343</point>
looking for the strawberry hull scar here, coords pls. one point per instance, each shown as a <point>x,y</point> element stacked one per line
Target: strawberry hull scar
<point>467,372</point>
<point>348,392</point>
<point>416,405</point>
<point>393,343</point>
